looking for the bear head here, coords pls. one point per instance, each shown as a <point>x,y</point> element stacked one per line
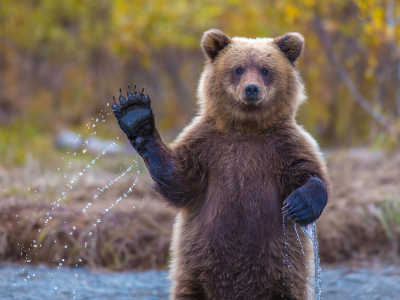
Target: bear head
<point>250,80</point>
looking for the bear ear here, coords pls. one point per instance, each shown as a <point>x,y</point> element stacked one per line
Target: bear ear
<point>213,42</point>
<point>291,44</point>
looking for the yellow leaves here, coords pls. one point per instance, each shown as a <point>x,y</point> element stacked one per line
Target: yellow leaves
<point>369,73</point>
<point>369,29</point>
<point>148,33</point>
<point>375,16</point>
<point>291,13</point>
<point>378,18</point>
<point>309,3</point>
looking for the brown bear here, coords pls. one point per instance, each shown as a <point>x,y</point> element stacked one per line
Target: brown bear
<point>234,173</point>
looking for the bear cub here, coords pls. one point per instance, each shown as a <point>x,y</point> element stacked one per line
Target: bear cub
<point>239,170</point>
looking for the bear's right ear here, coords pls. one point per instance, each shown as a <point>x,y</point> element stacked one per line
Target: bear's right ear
<point>213,42</point>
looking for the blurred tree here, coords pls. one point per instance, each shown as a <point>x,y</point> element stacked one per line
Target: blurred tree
<point>62,60</point>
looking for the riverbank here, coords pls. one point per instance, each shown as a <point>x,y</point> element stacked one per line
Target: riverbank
<point>112,219</point>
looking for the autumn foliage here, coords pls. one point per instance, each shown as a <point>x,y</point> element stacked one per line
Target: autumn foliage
<point>61,61</point>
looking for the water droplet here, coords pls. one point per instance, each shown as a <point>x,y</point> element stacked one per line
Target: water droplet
<point>65,175</point>
<point>84,150</point>
<point>90,233</point>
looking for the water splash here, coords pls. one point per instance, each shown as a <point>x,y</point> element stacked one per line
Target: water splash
<point>83,149</point>
<point>299,240</point>
<point>311,233</point>
<point>120,198</point>
<point>106,186</point>
<point>286,260</point>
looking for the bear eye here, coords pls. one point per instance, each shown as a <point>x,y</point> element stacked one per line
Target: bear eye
<point>264,71</point>
<point>239,71</point>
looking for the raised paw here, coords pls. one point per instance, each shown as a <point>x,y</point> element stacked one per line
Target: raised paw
<point>305,205</point>
<point>134,114</point>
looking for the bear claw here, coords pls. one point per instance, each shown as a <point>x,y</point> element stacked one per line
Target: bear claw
<point>306,204</point>
<point>134,113</point>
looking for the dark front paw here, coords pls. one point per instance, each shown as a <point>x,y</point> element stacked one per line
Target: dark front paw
<point>305,204</point>
<point>135,116</point>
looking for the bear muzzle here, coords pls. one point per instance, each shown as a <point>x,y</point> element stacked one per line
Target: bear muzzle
<point>251,91</point>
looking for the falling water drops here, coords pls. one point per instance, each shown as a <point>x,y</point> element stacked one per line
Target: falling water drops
<point>311,233</point>
<point>72,180</point>
<point>298,239</point>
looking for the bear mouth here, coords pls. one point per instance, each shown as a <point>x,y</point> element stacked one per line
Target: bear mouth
<point>252,100</point>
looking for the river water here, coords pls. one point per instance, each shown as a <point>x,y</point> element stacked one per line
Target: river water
<point>33,283</point>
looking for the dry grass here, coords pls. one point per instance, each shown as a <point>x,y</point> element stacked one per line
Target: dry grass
<point>363,216</point>
<point>131,234</point>
<point>362,219</point>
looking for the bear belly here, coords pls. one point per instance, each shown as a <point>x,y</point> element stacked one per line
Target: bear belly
<point>233,246</point>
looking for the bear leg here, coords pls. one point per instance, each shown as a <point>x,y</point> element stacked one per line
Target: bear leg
<point>187,290</point>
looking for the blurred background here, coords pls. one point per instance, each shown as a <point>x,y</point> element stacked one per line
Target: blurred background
<point>61,62</point>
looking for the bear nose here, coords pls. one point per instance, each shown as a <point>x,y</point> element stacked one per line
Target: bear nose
<point>251,90</point>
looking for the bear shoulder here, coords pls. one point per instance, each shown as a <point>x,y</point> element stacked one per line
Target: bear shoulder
<point>193,135</point>
<point>300,156</point>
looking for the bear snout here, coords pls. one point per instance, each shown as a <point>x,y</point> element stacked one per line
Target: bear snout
<point>251,91</point>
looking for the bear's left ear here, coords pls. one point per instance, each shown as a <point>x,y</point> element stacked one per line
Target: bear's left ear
<point>291,44</point>
<point>213,42</point>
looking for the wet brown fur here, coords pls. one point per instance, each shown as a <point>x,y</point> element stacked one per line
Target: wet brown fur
<point>238,162</point>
